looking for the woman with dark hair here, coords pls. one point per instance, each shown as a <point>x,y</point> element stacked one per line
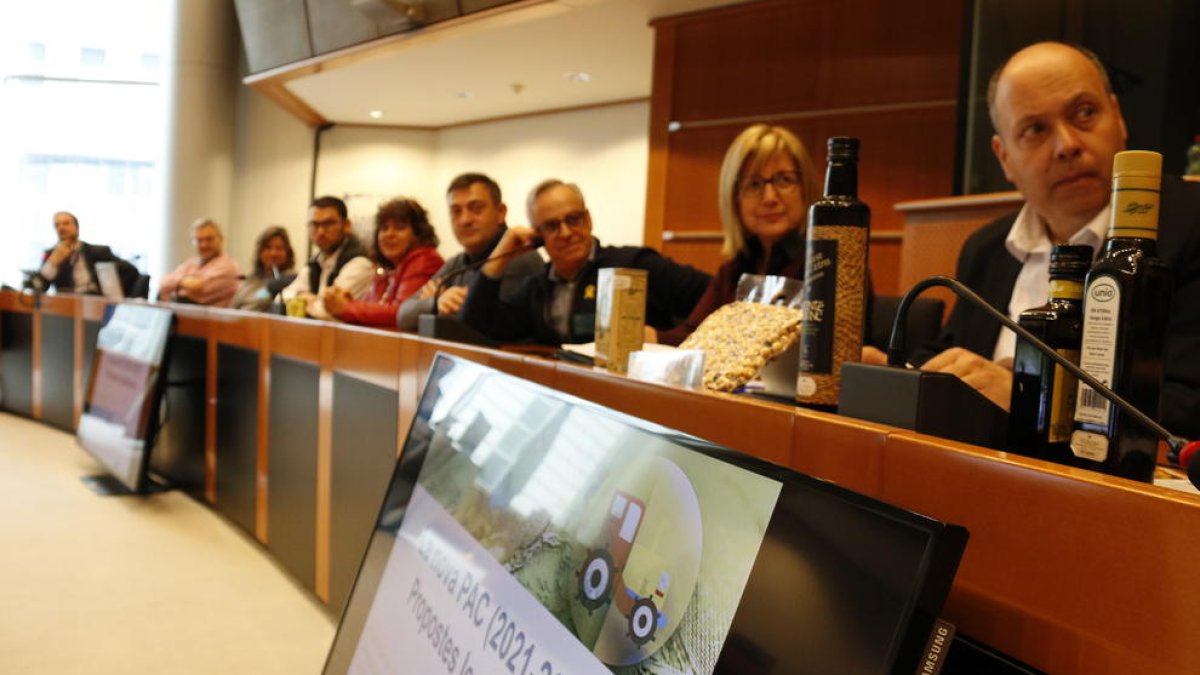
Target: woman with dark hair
<point>273,260</point>
<point>405,249</point>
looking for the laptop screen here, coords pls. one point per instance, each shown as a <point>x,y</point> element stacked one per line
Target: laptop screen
<point>526,531</point>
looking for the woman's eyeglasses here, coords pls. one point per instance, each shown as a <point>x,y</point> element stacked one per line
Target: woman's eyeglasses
<point>785,182</point>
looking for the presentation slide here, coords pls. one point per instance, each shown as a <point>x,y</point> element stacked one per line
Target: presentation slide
<point>129,354</point>
<point>543,538</point>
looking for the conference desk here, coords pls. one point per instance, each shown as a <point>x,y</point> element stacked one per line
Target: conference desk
<point>290,428</point>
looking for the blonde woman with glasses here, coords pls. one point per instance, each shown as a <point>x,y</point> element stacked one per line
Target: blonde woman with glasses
<point>767,181</point>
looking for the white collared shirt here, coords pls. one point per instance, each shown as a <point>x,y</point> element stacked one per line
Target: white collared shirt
<point>1027,241</point>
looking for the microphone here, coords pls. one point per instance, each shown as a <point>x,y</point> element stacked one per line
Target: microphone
<point>449,328</point>
<point>896,351</point>
<point>537,242</point>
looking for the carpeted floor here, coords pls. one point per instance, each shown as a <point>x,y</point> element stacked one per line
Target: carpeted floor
<point>130,585</point>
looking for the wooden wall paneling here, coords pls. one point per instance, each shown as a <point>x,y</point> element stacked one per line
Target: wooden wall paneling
<point>1056,570</point>
<point>887,74</point>
<point>659,137</point>
<point>934,232</point>
<point>749,60</point>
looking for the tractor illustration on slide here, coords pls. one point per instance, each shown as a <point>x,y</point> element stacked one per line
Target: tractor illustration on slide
<point>604,577</point>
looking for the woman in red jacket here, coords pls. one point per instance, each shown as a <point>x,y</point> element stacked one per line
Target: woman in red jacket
<point>406,251</point>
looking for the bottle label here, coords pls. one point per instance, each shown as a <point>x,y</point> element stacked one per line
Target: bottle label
<point>1098,349</point>
<point>1088,445</point>
<point>819,307</point>
<point>1062,404</point>
<point>1134,208</point>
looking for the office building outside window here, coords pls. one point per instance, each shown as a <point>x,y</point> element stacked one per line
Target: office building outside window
<point>81,125</point>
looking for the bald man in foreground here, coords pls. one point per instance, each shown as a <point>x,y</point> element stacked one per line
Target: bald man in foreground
<point>1058,126</point>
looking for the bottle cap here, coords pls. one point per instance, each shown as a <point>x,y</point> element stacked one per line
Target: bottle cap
<point>1137,163</point>
<point>1070,261</point>
<point>842,147</point>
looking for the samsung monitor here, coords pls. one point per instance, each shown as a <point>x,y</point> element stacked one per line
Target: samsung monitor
<point>120,414</point>
<point>528,532</point>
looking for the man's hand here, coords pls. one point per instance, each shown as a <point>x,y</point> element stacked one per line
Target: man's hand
<point>451,300</point>
<point>60,252</point>
<point>515,237</point>
<point>190,284</point>
<point>430,289</point>
<point>335,300</point>
<point>992,379</point>
<point>873,356</point>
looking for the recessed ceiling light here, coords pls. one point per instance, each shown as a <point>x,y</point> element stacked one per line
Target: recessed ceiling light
<point>376,114</point>
<point>465,95</point>
<point>573,76</point>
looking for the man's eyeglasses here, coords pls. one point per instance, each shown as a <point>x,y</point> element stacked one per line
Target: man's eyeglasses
<point>785,182</point>
<point>575,221</point>
<point>326,224</point>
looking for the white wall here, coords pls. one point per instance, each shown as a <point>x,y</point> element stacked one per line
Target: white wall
<point>605,150</point>
<point>273,166</point>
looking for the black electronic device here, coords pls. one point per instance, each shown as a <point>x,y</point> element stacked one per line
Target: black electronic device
<point>527,531</point>
<point>119,423</point>
<point>450,328</point>
<point>866,403</point>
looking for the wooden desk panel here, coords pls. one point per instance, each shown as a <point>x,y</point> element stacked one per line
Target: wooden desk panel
<point>754,427</point>
<point>846,451</point>
<point>368,355</point>
<point>1073,571</point>
<point>1070,571</point>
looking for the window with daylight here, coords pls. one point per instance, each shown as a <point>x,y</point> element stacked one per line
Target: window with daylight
<point>82,113</point>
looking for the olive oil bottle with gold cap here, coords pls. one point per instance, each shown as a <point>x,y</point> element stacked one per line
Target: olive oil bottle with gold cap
<point>835,279</point>
<point>1126,299</point>
<point>1042,408</point>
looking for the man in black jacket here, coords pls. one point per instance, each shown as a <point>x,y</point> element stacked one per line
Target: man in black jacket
<point>559,305</point>
<point>1058,126</point>
<point>70,266</point>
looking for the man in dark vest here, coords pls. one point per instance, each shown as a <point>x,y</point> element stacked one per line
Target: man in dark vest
<point>341,260</point>
<point>70,266</point>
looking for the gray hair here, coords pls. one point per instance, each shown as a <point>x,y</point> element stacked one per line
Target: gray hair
<point>544,186</point>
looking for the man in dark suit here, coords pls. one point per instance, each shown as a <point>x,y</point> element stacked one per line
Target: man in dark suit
<point>1058,126</point>
<point>559,305</point>
<point>70,266</point>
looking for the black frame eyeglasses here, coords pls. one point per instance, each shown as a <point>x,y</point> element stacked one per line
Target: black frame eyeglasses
<point>784,182</point>
<point>575,221</point>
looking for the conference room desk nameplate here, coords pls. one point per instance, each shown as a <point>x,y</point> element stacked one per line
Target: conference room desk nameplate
<point>1067,570</point>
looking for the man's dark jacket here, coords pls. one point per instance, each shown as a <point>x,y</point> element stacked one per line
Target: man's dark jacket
<point>671,292</point>
<point>64,281</point>
<point>986,266</point>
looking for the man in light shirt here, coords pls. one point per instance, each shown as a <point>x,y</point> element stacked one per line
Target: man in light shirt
<point>1058,126</point>
<point>341,260</point>
<point>211,278</point>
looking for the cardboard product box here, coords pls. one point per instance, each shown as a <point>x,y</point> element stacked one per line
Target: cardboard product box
<point>620,316</point>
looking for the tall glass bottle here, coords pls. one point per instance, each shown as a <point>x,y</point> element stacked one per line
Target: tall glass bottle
<point>1125,305</point>
<point>835,279</point>
<point>1042,407</point>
